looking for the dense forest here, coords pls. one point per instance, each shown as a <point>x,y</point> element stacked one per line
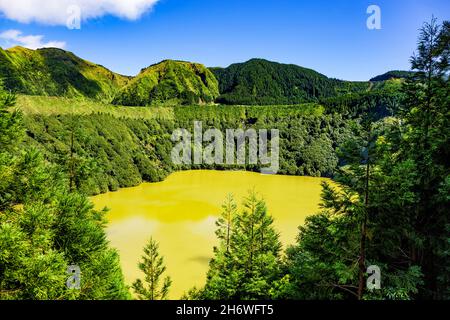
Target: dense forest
<point>395,74</point>
<point>264,82</point>
<point>105,153</point>
<point>385,145</point>
<point>390,210</point>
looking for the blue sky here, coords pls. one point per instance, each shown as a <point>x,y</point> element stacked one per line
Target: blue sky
<point>328,36</point>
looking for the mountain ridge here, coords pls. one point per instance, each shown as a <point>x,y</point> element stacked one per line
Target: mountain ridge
<point>57,72</point>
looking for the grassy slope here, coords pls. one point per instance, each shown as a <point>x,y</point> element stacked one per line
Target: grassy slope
<point>35,105</point>
<point>52,106</point>
<point>184,82</point>
<point>55,72</point>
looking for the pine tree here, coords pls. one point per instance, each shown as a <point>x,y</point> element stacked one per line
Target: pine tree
<point>324,262</point>
<point>152,265</point>
<point>44,228</point>
<point>391,208</point>
<point>225,222</point>
<point>426,108</point>
<point>79,167</point>
<point>359,155</point>
<point>248,267</point>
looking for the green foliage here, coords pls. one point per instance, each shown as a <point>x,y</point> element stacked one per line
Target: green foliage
<point>56,72</point>
<point>259,81</point>
<point>384,101</point>
<point>122,149</point>
<point>396,178</point>
<point>225,222</point>
<point>44,228</point>
<point>39,241</point>
<point>425,146</point>
<point>152,265</point>
<point>395,74</point>
<point>170,82</point>
<point>324,263</point>
<point>302,129</point>
<point>108,152</point>
<point>246,262</point>
<point>48,106</point>
<point>389,209</point>
<point>10,122</point>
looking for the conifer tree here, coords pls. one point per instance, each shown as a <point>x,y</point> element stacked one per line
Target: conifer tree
<point>391,208</point>
<point>426,107</point>
<point>249,268</point>
<point>44,228</point>
<point>225,222</point>
<point>154,287</point>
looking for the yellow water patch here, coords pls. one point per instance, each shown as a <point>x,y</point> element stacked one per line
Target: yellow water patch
<point>180,214</point>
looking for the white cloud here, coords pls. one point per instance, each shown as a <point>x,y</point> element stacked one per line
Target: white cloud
<point>16,37</point>
<point>57,12</point>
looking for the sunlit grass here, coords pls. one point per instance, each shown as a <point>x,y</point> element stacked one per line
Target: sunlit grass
<point>30,105</point>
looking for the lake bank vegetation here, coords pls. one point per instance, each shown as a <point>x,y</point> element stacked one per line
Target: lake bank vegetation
<point>388,150</point>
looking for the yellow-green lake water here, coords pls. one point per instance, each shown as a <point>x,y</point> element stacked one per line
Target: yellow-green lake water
<point>180,214</point>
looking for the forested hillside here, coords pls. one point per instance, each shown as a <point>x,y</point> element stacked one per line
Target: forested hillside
<point>383,100</point>
<point>259,81</point>
<point>112,151</point>
<point>396,74</point>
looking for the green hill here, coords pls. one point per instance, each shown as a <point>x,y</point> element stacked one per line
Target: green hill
<point>55,72</point>
<point>259,81</point>
<point>396,74</point>
<point>177,81</point>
